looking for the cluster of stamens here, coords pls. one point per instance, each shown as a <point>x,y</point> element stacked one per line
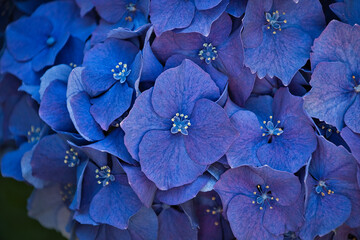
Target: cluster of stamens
<point>122,73</point>
<point>131,8</point>
<point>215,210</point>
<point>208,53</point>
<point>271,129</point>
<point>263,197</point>
<point>104,175</point>
<point>322,188</point>
<point>71,158</point>
<point>180,124</point>
<point>67,192</point>
<point>273,21</point>
<point>357,86</point>
<point>34,134</point>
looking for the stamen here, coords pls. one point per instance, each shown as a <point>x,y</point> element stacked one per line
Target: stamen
<point>122,73</point>
<point>71,158</point>
<point>104,175</point>
<point>208,53</point>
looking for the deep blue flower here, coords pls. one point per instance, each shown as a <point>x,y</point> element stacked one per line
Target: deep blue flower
<point>172,159</point>
<point>102,183</point>
<point>111,68</point>
<point>335,94</point>
<point>185,16</point>
<point>275,132</point>
<point>261,203</point>
<point>220,51</point>
<point>278,35</point>
<point>332,192</point>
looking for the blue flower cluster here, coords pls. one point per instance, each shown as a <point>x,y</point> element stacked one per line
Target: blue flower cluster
<point>184,119</point>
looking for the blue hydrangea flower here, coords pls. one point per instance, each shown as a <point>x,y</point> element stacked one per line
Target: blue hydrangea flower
<point>220,51</point>
<point>278,35</point>
<point>39,38</point>
<point>168,158</point>
<point>111,68</point>
<point>101,183</point>
<point>260,203</point>
<point>276,132</point>
<point>332,192</point>
<point>185,16</point>
<point>348,11</point>
<point>335,94</point>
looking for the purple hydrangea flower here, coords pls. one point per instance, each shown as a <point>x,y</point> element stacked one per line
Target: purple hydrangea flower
<point>276,133</point>
<point>332,192</point>
<point>185,16</point>
<point>173,128</point>
<point>335,94</point>
<point>260,203</point>
<point>278,35</point>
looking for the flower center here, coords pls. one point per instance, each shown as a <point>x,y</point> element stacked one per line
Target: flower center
<point>180,124</point>
<point>215,210</point>
<point>121,72</point>
<point>67,193</point>
<point>274,21</point>
<point>131,7</point>
<point>33,134</point>
<point>321,188</point>
<point>104,175</point>
<point>270,129</point>
<point>263,197</point>
<point>50,41</point>
<point>208,53</point>
<point>71,158</point>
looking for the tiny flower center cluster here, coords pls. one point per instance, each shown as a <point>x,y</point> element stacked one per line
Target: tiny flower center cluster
<point>180,124</point>
<point>322,188</point>
<point>270,129</point>
<point>357,86</point>
<point>263,197</point>
<point>71,158</point>
<point>67,193</point>
<point>131,8</point>
<point>274,22</point>
<point>208,53</point>
<point>104,175</point>
<point>121,72</point>
<point>214,210</point>
<point>34,134</point>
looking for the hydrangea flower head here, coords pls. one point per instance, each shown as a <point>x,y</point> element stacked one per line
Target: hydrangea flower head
<point>276,132</point>
<point>172,127</point>
<point>278,35</point>
<point>266,199</point>
<point>332,192</point>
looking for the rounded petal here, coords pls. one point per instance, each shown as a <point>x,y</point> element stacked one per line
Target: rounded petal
<point>210,134</point>
<point>177,89</point>
<point>164,160</point>
<point>352,115</point>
